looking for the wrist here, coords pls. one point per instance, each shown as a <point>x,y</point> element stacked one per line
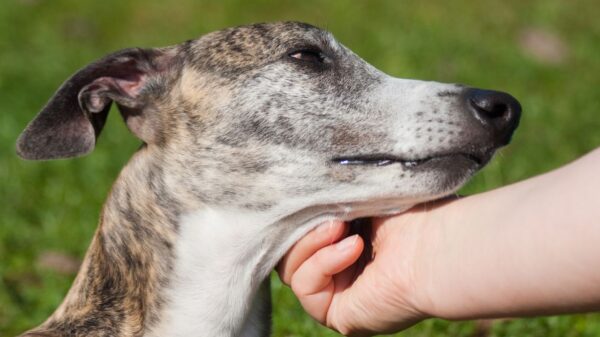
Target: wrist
<point>439,239</point>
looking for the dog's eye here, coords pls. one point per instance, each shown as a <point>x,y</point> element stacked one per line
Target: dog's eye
<point>307,55</point>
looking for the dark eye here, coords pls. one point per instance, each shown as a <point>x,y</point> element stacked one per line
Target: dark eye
<point>313,56</point>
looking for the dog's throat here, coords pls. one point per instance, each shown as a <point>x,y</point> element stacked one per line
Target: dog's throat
<point>223,257</point>
<point>221,262</point>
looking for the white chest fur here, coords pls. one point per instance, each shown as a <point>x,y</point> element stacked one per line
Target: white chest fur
<point>221,260</point>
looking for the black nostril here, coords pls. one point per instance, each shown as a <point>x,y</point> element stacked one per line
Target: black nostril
<point>489,109</point>
<point>495,109</point>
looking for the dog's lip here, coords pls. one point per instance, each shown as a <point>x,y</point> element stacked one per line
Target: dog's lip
<point>385,159</point>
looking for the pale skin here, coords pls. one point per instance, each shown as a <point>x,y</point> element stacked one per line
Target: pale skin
<point>531,248</point>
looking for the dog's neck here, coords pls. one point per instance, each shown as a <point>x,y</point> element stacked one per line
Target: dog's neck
<point>163,265</point>
<point>222,259</point>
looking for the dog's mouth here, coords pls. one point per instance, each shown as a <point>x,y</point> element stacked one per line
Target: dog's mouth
<point>478,160</point>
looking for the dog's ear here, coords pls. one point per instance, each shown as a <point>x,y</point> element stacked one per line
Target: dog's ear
<point>69,124</point>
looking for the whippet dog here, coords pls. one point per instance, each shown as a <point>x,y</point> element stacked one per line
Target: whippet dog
<point>251,137</point>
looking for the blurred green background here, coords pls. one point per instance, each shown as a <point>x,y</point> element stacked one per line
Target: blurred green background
<point>546,53</point>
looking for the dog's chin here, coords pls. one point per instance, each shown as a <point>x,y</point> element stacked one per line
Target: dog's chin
<point>435,176</point>
<point>450,165</point>
<point>388,189</point>
<point>448,173</point>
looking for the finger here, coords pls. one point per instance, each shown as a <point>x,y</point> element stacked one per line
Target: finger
<point>324,235</point>
<point>344,279</point>
<point>313,281</point>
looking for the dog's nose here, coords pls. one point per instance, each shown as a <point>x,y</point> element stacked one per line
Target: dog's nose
<point>497,111</point>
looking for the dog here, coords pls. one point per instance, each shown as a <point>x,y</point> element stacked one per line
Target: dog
<point>251,136</point>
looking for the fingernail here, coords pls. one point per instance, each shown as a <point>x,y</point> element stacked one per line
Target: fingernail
<point>325,227</point>
<point>347,242</point>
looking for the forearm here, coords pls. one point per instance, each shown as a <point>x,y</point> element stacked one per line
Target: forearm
<point>526,249</point>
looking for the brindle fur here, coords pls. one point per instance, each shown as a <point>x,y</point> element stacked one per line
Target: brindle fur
<point>228,121</point>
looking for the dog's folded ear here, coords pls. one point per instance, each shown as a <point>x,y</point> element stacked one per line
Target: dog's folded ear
<point>69,124</point>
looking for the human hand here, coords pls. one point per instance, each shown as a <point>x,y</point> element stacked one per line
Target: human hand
<point>357,299</point>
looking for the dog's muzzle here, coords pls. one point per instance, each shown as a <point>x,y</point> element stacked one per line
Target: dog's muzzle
<point>494,116</point>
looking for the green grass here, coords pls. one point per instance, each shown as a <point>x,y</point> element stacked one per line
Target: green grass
<point>54,206</point>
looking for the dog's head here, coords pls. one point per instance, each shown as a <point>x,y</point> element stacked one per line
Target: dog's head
<point>249,116</point>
